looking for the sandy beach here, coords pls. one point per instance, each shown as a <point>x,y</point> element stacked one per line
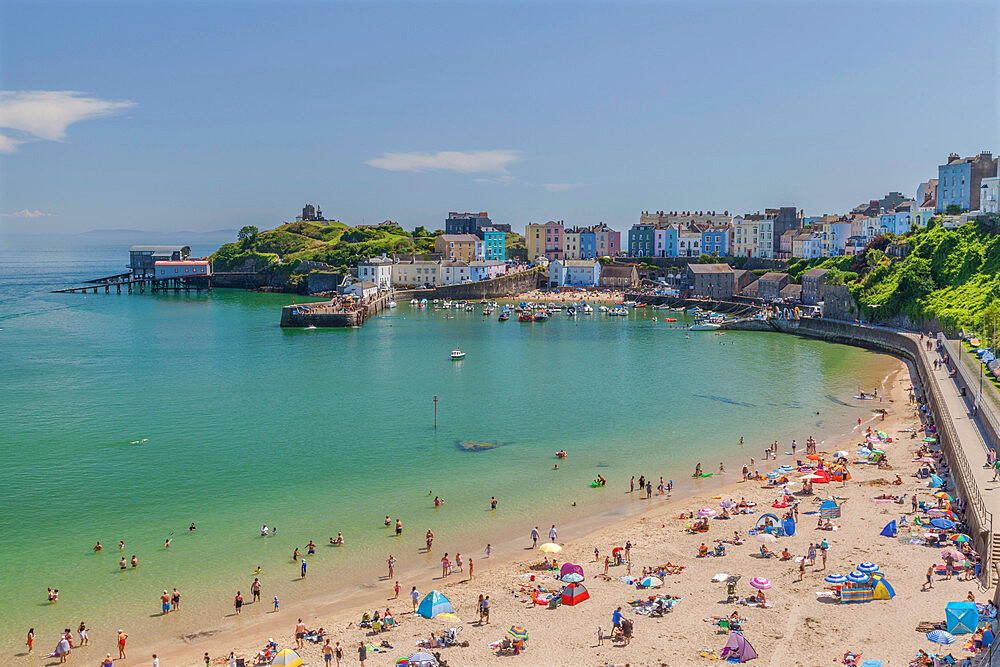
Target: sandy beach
<point>570,295</point>
<point>797,628</point>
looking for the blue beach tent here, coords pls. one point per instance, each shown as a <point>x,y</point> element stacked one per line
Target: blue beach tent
<point>434,603</point>
<point>962,617</point>
<point>788,525</point>
<point>936,481</point>
<point>890,529</point>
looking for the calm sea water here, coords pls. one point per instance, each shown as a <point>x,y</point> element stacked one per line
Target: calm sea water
<point>319,431</point>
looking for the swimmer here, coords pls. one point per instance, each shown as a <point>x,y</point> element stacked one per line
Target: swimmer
<point>98,546</point>
<point>191,528</point>
<point>387,520</point>
<point>135,561</point>
<point>166,545</point>
<point>555,467</point>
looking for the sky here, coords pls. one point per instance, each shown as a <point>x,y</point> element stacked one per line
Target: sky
<point>202,116</point>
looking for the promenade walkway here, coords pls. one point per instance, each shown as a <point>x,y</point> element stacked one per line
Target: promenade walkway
<point>972,437</point>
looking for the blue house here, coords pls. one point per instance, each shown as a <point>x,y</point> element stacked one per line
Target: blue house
<point>494,243</point>
<point>715,240</point>
<point>588,244</point>
<point>960,179</point>
<point>640,240</point>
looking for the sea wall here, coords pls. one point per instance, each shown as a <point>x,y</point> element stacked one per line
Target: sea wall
<point>509,285</point>
<point>980,520</point>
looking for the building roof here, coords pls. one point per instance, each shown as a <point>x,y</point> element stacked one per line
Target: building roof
<point>618,271</point>
<point>377,260</point>
<point>454,263</point>
<point>815,273</point>
<point>366,284</point>
<point>577,263</point>
<point>774,277</point>
<point>458,238</point>
<point>189,262</point>
<point>710,268</point>
<point>160,248</point>
<point>792,290</point>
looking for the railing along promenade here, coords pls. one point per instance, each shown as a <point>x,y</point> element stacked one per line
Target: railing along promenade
<point>983,393</point>
<point>978,515</point>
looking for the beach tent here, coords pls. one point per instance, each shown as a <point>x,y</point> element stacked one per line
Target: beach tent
<point>288,658</point>
<point>890,529</point>
<point>820,476</point>
<point>738,647</point>
<point>881,589</point>
<point>788,525</point>
<point>434,603</point>
<point>762,521</point>
<point>574,594</point>
<point>936,481</point>
<point>855,592</point>
<point>570,568</point>
<point>962,617</point>
<point>422,659</point>
<point>829,510</point>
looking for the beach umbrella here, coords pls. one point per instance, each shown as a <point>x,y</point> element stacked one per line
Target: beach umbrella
<point>651,582</point>
<point>960,537</point>
<point>951,552</point>
<point>707,512</point>
<point>841,454</point>
<point>941,637</point>
<point>572,578</point>
<point>766,538</point>
<point>868,568</point>
<point>727,503</point>
<point>449,616</point>
<point>287,658</point>
<point>760,583</point>
<point>930,439</point>
<point>772,475</point>
<point>942,523</point>
<point>814,457</point>
<point>857,577</point>
<point>812,477</point>
<point>924,459</point>
<point>942,494</point>
<point>785,468</point>
<point>402,662</point>
<point>550,548</point>
<point>836,578</point>
<point>422,659</point>
<point>518,632</point>
<point>934,513</point>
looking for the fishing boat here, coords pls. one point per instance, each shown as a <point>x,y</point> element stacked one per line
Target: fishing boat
<point>524,316</point>
<point>704,326</point>
<point>457,355</point>
<point>504,316</point>
<point>392,304</point>
<point>618,311</point>
<point>469,308</point>
<point>587,308</point>
<point>541,316</point>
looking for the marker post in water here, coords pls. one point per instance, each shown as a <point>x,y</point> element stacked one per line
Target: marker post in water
<point>435,411</point>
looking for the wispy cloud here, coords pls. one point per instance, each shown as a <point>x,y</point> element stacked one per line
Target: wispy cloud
<point>46,114</point>
<point>464,162</point>
<point>502,179</point>
<point>561,187</point>
<point>27,213</point>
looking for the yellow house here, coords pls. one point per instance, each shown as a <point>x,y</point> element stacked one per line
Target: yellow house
<point>417,272</point>
<point>534,240</point>
<point>456,247</point>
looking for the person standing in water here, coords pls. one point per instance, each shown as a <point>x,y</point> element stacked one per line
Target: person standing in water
<point>255,589</point>
<point>399,527</point>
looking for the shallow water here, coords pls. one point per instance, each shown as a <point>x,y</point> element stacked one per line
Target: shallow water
<point>322,431</point>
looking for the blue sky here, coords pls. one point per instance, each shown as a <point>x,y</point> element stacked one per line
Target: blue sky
<point>202,116</point>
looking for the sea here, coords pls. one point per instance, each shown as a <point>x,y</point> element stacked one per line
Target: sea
<point>130,417</point>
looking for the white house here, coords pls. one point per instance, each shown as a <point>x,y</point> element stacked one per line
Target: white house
<point>574,272</point>
<point>835,235</point>
<point>689,244</point>
<point>989,202</point>
<point>362,289</point>
<point>453,273</point>
<point>377,270</point>
<point>486,269</point>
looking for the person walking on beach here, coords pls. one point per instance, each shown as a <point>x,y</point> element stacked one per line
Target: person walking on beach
<point>414,597</point>
<point>82,631</point>
<point>470,569</point>
<point>362,653</point>
<point>553,533</point>
<point>391,562</point>
<point>328,652</point>
<point>812,554</point>
<point>479,607</point>
<point>534,537</point>
<point>458,561</point>
<point>486,609</point>
<point>631,484</point>
<point>395,590</point>
<point>802,569</point>
<point>303,568</point>
<point>122,637</point>
<point>31,640</point>
<point>338,653</point>
<point>930,579</point>
<point>255,590</point>
<point>300,633</point>
<point>489,549</point>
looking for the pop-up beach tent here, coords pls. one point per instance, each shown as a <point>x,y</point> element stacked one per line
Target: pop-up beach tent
<point>434,603</point>
<point>762,522</point>
<point>788,525</point>
<point>962,617</point>
<point>574,594</point>
<point>890,529</point>
<point>738,647</point>
<point>829,510</point>
<point>287,658</point>
<point>570,568</point>
<point>881,589</point>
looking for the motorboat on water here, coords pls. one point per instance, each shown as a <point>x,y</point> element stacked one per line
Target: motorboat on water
<point>704,326</point>
<point>414,302</point>
<point>619,311</point>
<point>457,354</point>
<point>524,316</point>
<point>504,316</point>
<point>587,308</point>
<point>541,316</point>
<point>604,309</point>
<point>392,304</point>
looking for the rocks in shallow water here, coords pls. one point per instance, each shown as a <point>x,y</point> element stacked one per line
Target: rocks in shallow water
<point>476,446</point>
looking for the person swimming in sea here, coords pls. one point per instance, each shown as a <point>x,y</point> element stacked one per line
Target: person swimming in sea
<point>98,546</point>
<point>697,470</point>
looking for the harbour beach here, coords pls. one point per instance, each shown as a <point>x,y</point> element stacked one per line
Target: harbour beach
<point>796,628</point>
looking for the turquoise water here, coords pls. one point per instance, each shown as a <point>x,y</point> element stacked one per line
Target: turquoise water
<point>319,431</point>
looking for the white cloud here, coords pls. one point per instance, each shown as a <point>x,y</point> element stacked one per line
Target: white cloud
<point>464,162</point>
<point>561,187</point>
<point>46,114</point>
<point>27,213</point>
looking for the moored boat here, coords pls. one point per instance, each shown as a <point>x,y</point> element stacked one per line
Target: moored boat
<point>457,354</point>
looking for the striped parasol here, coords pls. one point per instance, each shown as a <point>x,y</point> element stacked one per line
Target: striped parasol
<point>868,568</point>
<point>857,577</point>
<point>760,583</point>
<point>835,578</point>
<point>518,632</point>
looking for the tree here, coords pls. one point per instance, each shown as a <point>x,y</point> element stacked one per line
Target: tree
<point>953,209</point>
<point>247,236</point>
<point>420,231</point>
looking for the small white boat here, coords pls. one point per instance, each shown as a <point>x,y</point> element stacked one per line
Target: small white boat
<point>618,311</point>
<point>704,326</point>
<point>457,355</point>
<point>604,309</point>
<point>414,302</point>
<point>392,304</point>
<point>587,308</point>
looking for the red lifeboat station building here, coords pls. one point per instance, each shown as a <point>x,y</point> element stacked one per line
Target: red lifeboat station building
<point>182,269</point>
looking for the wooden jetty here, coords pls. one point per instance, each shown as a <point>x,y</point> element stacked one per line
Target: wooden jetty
<point>140,283</point>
